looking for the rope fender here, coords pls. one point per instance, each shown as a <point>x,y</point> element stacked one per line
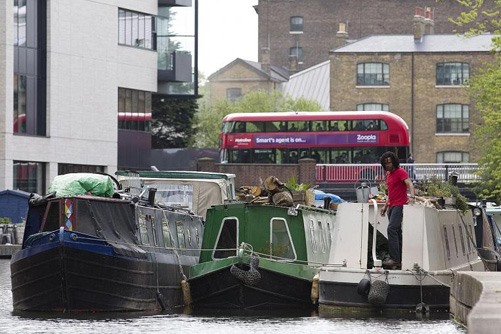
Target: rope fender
<point>247,274</point>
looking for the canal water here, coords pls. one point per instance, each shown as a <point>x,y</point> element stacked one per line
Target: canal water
<point>219,323</point>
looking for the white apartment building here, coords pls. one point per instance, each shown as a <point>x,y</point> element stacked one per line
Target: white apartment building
<point>67,68</point>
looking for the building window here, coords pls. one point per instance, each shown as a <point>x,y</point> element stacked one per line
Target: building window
<point>135,29</point>
<point>452,74</point>
<point>373,74</point>
<point>30,85</point>
<point>233,94</point>
<point>134,110</point>
<point>453,118</point>
<point>19,103</point>
<point>298,53</point>
<point>296,25</point>
<point>29,176</point>
<point>74,168</point>
<point>373,106</point>
<point>453,157</point>
<point>20,22</point>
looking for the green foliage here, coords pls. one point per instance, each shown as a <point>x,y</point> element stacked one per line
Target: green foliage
<point>209,117</point>
<point>5,220</point>
<point>480,16</point>
<point>292,185</point>
<point>172,121</point>
<point>435,187</point>
<point>485,91</point>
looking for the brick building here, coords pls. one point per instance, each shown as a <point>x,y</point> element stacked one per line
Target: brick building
<point>242,76</point>
<point>306,29</point>
<point>420,77</point>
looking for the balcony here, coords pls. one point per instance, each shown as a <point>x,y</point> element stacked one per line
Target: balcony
<point>180,69</point>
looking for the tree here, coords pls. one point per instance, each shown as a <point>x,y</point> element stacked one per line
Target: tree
<point>172,121</point>
<point>480,17</point>
<point>485,91</point>
<point>209,117</point>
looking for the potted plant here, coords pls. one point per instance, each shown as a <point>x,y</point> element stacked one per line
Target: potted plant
<point>446,192</point>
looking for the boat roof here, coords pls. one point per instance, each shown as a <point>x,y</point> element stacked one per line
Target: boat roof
<point>171,174</point>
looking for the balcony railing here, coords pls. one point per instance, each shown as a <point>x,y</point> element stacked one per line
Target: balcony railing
<point>350,173</point>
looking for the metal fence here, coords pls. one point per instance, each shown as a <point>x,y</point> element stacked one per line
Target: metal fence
<point>350,173</point>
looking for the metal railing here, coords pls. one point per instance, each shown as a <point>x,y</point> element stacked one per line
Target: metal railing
<point>351,173</point>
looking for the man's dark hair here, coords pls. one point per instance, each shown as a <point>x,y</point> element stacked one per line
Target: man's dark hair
<point>392,156</point>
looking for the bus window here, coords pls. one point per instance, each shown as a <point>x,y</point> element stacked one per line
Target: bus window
<point>345,126</point>
<point>264,156</point>
<point>293,157</point>
<point>334,126</point>
<point>273,127</point>
<point>293,126</point>
<point>239,127</point>
<point>318,125</point>
<point>305,126</point>
<point>227,127</point>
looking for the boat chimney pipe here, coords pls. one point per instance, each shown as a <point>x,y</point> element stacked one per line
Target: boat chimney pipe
<point>151,195</point>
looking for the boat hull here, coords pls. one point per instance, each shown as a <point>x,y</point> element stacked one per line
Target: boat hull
<point>406,290</point>
<point>274,291</point>
<point>70,279</point>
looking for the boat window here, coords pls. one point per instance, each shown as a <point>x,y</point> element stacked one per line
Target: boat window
<point>153,227</point>
<point>174,195</point>
<point>447,243</point>
<point>321,237</point>
<point>180,234</point>
<point>313,240</point>
<point>227,240</point>
<point>455,241</point>
<point>281,241</point>
<point>469,243</point>
<point>188,232</point>
<point>166,233</point>
<point>461,236</point>
<point>143,231</point>
<point>52,219</point>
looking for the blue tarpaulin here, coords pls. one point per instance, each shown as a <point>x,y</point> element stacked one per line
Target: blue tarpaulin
<point>14,205</point>
<point>320,195</point>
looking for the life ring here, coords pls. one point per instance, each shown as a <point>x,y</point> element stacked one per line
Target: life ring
<point>247,274</point>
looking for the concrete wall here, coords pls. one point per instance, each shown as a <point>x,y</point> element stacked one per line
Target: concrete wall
<point>475,301</point>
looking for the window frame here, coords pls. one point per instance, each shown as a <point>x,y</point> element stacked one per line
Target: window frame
<point>364,80</point>
<point>135,29</point>
<point>298,54</point>
<point>442,155</point>
<point>296,27</point>
<point>381,105</point>
<point>444,125</point>
<point>446,79</point>
<point>232,92</point>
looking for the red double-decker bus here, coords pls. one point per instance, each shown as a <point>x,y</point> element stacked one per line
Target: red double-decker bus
<point>329,137</point>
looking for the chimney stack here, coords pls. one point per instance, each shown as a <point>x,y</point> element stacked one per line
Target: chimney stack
<point>423,25</point>
<point>419,24</point>
<point>265,60</point>
<point>341,36</point>
<point>429,22</point>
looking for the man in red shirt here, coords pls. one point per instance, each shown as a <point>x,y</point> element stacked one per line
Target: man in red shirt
<point>397,183</point>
